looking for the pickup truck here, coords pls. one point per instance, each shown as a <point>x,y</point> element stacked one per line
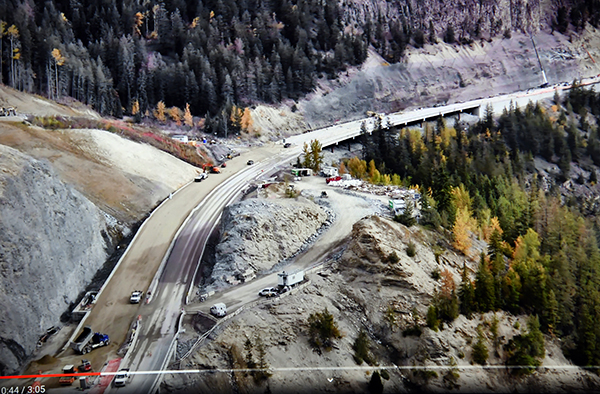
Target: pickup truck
<point>121,377</point>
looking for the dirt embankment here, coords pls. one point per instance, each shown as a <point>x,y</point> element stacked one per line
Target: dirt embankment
<point>362,289</point>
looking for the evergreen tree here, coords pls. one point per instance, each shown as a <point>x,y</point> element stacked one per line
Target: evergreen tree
<point>480,351</point>
<point>485,293</point>
<point>466,294</point>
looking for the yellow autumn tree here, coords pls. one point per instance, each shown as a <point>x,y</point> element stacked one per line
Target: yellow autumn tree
<point>175,114</point>
<point>135,107</point>
<point>357,168</point>
<point>59,60</point>
<point>527,246</point>
<point>138,22</point>
<point>343,169</point>
<point>159,113</point>
<point>461,198</point>
<point>246,122</point>
<point>236,116</point>
<point>374,175</point>
<point>188,119</point>
<point>461,229</point>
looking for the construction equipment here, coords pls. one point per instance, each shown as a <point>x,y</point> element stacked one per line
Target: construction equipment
<point>67,380</point>
<point>88,341</point>
<point>85,366</point>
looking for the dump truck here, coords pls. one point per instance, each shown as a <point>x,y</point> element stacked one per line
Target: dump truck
<point>89,340</point>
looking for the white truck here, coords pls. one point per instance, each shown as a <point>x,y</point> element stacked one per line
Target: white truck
<point>289,280</point>
<point>121,377</point>
<point>136,297</point>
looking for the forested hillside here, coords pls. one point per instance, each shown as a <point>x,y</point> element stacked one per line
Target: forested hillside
<point>543,256</point>
<point>132,57</point>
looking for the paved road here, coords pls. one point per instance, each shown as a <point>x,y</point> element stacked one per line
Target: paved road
<point>160,317</point>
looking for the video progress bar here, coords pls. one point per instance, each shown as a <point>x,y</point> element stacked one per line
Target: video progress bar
<point>307,369</point>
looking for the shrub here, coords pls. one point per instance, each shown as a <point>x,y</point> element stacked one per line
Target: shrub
<point>411,249</point>
<point>362,349</point>
<point>323,329</point>
<point>393,258</point>
<point>384,374</point>
<point>413,330</point>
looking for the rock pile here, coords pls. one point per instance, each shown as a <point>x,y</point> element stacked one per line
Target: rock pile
<point>258,234</point>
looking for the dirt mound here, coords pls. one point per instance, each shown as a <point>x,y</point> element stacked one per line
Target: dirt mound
<point>123,178</point>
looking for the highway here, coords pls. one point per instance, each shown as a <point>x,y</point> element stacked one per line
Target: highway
<point>160,318</point>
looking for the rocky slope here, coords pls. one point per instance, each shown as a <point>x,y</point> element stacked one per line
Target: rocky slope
<point>52,242</point>
<point>359,289</point>
<point>492,16</point>
<point>256,234</point>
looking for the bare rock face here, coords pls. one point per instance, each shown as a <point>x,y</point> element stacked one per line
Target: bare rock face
<point>51,245</point>
<point>257,234</point>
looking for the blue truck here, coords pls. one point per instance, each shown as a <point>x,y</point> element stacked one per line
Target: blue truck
<point>89,340</point>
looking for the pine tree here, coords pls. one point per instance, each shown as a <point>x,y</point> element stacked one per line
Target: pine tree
<point>375,384</point>
<point>485,293</point>
<point>308,158</point>
<point>480,351</point>
<point>432,318</point>
<point>466,294</point>
<point>316,150</point>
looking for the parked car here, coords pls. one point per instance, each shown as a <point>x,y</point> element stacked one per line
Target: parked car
<point>287,145</point>
<point>218,310</point>
<point>268,292</point>
<point>250,162</point>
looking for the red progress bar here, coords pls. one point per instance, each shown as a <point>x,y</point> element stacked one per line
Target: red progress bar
<point>51,375</point>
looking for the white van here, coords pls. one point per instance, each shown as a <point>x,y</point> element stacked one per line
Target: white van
<point>218,310</point>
